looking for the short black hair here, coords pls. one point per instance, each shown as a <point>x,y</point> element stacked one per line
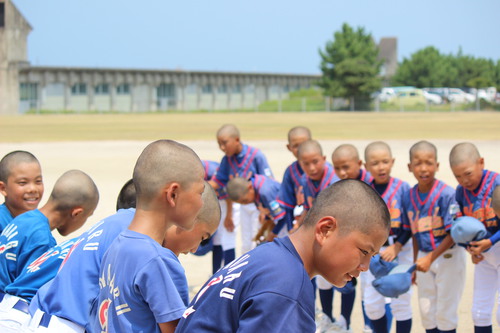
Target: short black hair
<point>126,197</point>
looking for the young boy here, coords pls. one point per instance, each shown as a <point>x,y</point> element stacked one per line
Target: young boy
<point>260,190</point>
<point>224,240</point>
<point>474,196</point>
<point>346,226</point>
<point>21,184</point>
<point>240,160</point>
<point>291,195</point>
<point>167,194</point>
<point>429,208</point>
<point>73,199</point>
<point>347,165</point>
<point>379,163</point>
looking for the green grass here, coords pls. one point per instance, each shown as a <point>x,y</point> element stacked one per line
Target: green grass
<point>253,126</point>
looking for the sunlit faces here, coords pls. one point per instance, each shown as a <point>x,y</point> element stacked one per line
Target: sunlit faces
<point>347,167</point>
<point>356,248</point>
<point>424,166</point>
<point>188,204</point>
<point>182,241</point>
<point>229,145</point>
<point>379,163</point>
<point>24,188</point>
<point>294,143</point>
<point>313,164</point>
<point>469,173</point>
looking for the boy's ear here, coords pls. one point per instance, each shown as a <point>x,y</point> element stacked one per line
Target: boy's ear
<point>76,211</point>
<point>480,161</point>
<point>288,147</point>
<point>2,189</point>
<point>324,228</point>
<point>409,167</point>
<point>171,192</point>
<point>360,163</point>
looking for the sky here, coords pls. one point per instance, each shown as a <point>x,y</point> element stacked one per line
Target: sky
<point>270,36</point>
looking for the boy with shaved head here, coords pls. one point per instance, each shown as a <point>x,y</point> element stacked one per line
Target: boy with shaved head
<point>167,195</point>
<point>430,207</point>
<point>291,194</point>
<point>347,164</point>
<point>21,184</point>
<point>474,195</point>
<point>379,162</point>
<point>240,160</point>
<point>73,199</point>
<point>342,231</point>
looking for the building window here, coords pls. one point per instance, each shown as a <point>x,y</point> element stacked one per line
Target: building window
<point>2,15</point>
<point>28,91</point>
<point>206,89</point>
<point>102,89</point>
<point>165,90</point>
<point>123,89</point>
<point>237,89</point>
<point>222,89</point>
<point>79,89</point>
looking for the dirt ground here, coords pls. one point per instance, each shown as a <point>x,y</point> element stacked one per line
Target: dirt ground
<point>110,164</point>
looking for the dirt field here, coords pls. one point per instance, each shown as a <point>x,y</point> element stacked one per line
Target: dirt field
<point>110,163</point>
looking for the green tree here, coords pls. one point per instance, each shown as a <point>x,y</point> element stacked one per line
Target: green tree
<point>350,66</point>
<point>426,68</point>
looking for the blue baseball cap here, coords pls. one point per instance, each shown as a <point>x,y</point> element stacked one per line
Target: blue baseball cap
<point>465,229</point>
<point>380,267</point>
<point>396,283</point>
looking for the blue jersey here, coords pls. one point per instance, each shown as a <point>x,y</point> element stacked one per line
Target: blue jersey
<point>23,240</point>
<point>250,161</point>
<point>72,292</point>
<point>393,197</point>
<point>40,271</point>
<point>477,203</point>
<point>266,191</point>
<point>5,216</point>
<point>365,176</point>
<point>291,193</point>
<point>137,289</point>
<point>429,215</point>
<point>211,168</point>
<point>265,290</point>
<point>313,187</point>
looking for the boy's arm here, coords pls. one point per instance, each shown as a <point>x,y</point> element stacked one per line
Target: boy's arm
<point>228,221</point>
<point>424,263</point>
<point>168,327</point>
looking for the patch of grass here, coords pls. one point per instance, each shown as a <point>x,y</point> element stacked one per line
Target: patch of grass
<point>253,125</point>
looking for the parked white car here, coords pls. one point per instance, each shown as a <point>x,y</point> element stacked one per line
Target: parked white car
<point>456,95</point>
<point>432,98</point>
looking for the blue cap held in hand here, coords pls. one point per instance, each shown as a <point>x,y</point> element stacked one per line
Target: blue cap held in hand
<point>466,229</point>
<point>396,283</point>
<point>380,267</point>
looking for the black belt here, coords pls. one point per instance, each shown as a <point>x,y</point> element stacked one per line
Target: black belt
<point>20,305</point>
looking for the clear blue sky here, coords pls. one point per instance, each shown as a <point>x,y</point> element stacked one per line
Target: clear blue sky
<point>250,36</point>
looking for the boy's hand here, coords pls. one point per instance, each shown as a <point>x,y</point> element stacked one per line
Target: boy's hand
<point>228,223</point>
<point>424,263</point>
<point>478,247</point>
<point>477,258</point>
<point>390,253</point>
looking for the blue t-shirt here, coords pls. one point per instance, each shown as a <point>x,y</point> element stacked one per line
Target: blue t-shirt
<point>23,240</point>
<point>211,168</point>
<point>429,215</point>
<point>137,290</point>
<point>72,292</point>
<point>249,161</point>
<point>266,192</point>
<point>291,194</point>
<point>265,290</point>
<point>5,216</point>
<point>40,271</point>
<point>477,203</point>
<point>313,187</point>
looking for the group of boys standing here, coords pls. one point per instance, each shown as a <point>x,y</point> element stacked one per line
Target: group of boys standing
<point>327,221</point>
